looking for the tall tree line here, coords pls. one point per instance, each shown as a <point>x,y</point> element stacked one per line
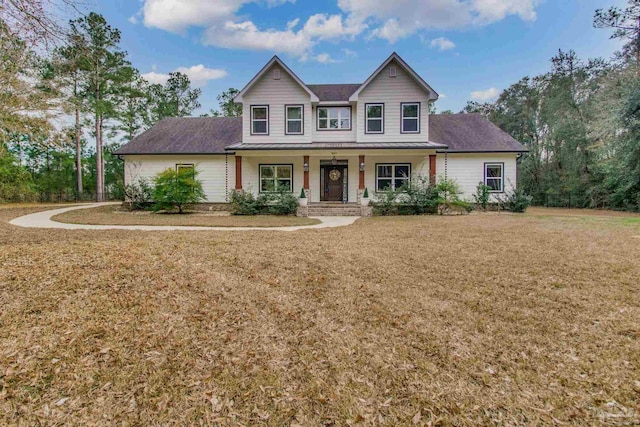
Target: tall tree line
<point>581,122</point>
<point>87,80</point>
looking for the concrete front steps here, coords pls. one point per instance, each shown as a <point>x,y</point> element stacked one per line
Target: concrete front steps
<point>332,209</point>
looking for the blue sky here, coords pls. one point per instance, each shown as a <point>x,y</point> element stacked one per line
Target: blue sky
<point>463,48</point>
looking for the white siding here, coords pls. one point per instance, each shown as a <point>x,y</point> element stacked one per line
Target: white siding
<point>216,173</point>
<point>468,169</point>
<point>276,94</point>
<point>392,91</point>
<point>335,135</point>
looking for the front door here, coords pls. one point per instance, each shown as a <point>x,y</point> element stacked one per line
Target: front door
<point>333,180</point>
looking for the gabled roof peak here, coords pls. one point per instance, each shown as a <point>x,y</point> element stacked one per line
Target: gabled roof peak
<point>275,60</point>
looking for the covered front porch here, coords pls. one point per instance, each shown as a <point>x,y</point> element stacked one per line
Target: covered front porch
<point>331,176</point>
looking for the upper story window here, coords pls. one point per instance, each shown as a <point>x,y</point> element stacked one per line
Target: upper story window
<point>374,121</point>
<point>294,119</point>
<point>494,177</point>
<point>259,120</point>
<point>334,118</point>
<point>411,117</point>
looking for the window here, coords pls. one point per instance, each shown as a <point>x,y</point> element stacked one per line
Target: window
<point>494,177</point>
<point>183,167</point>
<point>259,120</point>
<point>375,118</point>
<point>334,118</point>
<point>411,118</point>
<point>294,115</point>
<point>276,178</point>
<point>392,176</point>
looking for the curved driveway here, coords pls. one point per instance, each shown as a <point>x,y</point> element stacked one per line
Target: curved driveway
<point>43,220</point>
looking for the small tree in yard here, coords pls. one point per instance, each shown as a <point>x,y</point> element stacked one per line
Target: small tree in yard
<point>175,189</point>
<point>483,195</point>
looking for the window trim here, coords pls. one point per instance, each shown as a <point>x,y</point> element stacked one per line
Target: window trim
<point>260,165</point>
<point>493,164</point>
<point>366,118</point>
<point>402,118</point>
<point>318,128</point>
<point>252,107</point>
<point>393,172</point>
<point>286,119</point>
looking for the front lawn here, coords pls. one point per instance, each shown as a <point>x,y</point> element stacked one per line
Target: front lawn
<point>116,215</point>
<point>485,319</point>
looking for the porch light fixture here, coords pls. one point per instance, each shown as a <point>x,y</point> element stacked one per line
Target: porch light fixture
<point>334,161</point>
<point>305,166</point>
<point>361,166</point>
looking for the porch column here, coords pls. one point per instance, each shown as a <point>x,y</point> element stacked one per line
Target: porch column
<point>361,176</point>
<point>432,169</point>
<point>305,160</point>
<point>238,172</point>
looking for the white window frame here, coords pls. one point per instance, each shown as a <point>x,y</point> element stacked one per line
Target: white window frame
<point>275,176</point>
<point>328,118</point>
<point>185,166</point>
<point>496,178</point>
<point>403,118</point>
<point>367,118</point>
<point>253,119</point>
<point>287,120</point>
<point>393,175</point>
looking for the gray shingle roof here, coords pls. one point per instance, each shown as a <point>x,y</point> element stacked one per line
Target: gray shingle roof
<point>470,133</point>
<point>187,135</point>
<point>212,135</point>
<point>334,92</point>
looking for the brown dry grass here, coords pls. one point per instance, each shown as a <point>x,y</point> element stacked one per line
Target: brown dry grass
<point>486,319</point>
<point>115,215</point>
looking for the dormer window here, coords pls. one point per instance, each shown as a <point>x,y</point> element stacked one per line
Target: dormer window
<point>259,120</point>
<point>411,117</point>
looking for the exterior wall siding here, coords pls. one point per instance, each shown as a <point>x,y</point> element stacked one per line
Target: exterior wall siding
<point>468,170</point>
<point>276,94</point>
<point>392,91</point>
<point>216,174</point>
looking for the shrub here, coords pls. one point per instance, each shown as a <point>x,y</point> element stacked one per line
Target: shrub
<point>483,195</point>
<point>365,195</point>
<point>278,203</point>
<point>515,200</point>
<point>302,195</point>
<point>139,195</point>
<point>176,189</point>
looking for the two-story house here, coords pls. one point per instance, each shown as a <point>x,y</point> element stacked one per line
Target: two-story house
<point>332,140</point>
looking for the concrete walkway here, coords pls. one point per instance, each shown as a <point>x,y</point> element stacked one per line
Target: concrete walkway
<point>43,220</point>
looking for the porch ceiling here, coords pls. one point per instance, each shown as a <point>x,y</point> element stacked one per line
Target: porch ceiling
<point>338,146</point>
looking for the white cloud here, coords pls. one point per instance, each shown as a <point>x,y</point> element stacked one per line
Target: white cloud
<point>246,35</point>
<point>485,95</point>
<point>325,58</point>
<point>442,43</point>
<point>198,74</point>
<point>399,19</point>
<point>155,78</point>
<point>133,19</point>
<point>351,54</point>
<point>325,27</point>
<point>225,26</point>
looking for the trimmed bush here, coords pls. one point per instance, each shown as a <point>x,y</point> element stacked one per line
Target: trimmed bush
<point>278,203</point>
<point>177,189</point>
<point>139,195</point>
<point>515,200</point>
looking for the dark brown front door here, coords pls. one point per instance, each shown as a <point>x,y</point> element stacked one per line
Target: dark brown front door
<point>333,180</point>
